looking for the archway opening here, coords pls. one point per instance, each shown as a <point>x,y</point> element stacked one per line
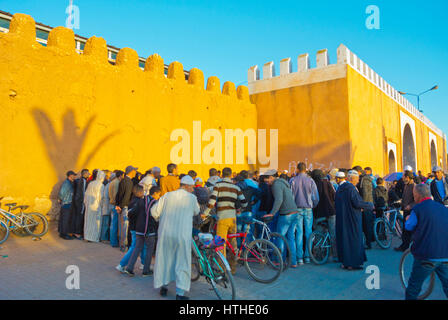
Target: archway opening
<point>408,148</point>
<point>392,167</point>
<point>433,154</point>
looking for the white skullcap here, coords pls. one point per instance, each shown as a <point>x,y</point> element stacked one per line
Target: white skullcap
<point>270,172</point>
<point>187,180</point>
<point>407,168</point>
<point>340,174</point>
<point>353,173</point>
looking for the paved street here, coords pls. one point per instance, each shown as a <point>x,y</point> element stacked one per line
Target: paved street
<point>36,270</point>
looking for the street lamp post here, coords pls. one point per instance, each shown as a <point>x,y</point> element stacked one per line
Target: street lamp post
<point>418,95</point>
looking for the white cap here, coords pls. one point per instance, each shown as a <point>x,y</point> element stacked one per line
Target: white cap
<point>353,173</point>
<point>156,169</point>
<point>187,180</point>
<point>270,172</point>
<point>436,169</point>
<point>340,174</point>
<point>407,168</point>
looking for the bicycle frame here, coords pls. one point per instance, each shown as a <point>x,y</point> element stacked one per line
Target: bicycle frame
<point>12,217</point>
<point>265,232</point>
<point>205,264</point>
<point>324,241</point>
<point>243,245</point>
<point>16,219</point>
<point>327,237</point>
<point>388,219</point>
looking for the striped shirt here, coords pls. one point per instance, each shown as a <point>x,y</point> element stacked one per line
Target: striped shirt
<point>225,194</point>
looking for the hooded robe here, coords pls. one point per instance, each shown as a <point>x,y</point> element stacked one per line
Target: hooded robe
<point>92,202</point>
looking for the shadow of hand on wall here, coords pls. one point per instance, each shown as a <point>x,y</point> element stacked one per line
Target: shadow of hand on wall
<point>64,150</point>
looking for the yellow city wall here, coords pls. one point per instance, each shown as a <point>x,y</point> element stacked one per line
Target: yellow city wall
<point>312,122</point>
<point>341,122</point>
<point>375,119</point>
<point>64,111</point>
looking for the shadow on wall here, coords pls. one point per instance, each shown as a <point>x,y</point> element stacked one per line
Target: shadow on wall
<point>319,156</point>
<point>64,150</point>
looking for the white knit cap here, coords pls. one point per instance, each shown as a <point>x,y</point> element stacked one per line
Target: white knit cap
<point>187,180</point>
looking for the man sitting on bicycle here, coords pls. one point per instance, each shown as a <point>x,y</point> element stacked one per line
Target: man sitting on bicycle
<point>429,222</point>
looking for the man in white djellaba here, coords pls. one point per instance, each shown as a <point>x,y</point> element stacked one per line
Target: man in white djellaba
<point>92,202</point>
<point>175,210</point>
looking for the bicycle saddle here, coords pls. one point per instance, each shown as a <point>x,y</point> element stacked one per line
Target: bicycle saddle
<point>20,207</point>
<point>10,205</point>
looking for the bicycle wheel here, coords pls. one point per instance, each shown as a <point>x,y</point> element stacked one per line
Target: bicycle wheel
<point>36,224</point>
<point>286,256</point>
<point>223,283</point>
<point>382,233</point>
<point>258,261</point>
<point>405,270</point>
<point>319,247</point>
<point>4,232</point>
<point>195,267</point>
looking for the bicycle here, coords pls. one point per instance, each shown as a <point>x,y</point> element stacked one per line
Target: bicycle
<point>209,262</point>
<point>404,272</point>
<point>389,225</point>
<point>265,233</point>
<point>33,223</point>
<point>259,257</point>
<point>276,238</point>
<point>319,243</point>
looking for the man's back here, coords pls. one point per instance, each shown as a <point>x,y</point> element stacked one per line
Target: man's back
<point>305,191</point>
<point>176,210</point>
<point>124,193</point>
<point>169,183</point>
<point>283,198</point>
<point>366,187</point>
<point>408,196</point>
<point>225,194</point>
<point>430,234</point>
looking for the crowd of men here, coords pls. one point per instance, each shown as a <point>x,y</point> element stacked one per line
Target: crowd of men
<point>150,215</point>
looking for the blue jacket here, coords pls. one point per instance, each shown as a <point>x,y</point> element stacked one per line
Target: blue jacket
<point>430,234</point>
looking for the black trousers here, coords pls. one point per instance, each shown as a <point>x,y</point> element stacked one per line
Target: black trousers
<point>368,218</point>
<point>140,241</point>
<point>406,236</point>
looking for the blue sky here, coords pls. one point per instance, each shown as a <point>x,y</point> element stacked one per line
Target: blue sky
<point>225,38</point>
